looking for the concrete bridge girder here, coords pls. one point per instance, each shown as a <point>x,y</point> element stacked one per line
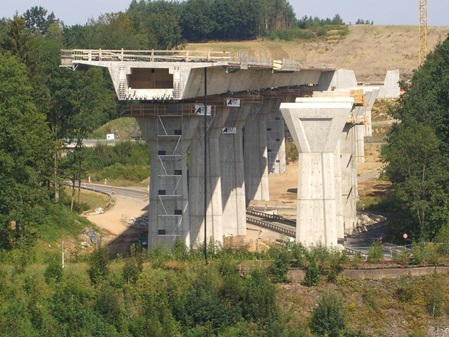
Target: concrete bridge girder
<point>180,80</point>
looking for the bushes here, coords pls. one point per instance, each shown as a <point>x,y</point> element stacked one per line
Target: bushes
<point>124,161</point>
<point>328,319</point>
<point>99,264</point>
<point>375,252</point>
<point>54,271</point>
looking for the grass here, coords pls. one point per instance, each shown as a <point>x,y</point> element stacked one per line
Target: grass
<point>63,225</point>
<point>88,200</point>
<point>122,128</point>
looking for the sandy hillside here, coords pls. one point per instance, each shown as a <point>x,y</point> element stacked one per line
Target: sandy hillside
<point>368,50</point>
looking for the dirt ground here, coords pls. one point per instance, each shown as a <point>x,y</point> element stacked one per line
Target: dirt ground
<point>119,230</point>
<point>369,50</point>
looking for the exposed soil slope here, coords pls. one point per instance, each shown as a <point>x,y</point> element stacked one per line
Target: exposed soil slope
<point>369,50</point>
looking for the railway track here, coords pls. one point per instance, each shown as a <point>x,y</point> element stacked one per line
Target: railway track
<point>287,227</point>
<point>272,222</point>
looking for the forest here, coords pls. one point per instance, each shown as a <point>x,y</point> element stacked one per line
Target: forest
<point>172,293</point>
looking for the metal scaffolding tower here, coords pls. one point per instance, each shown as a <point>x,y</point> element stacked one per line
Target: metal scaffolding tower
<point>170,152</point>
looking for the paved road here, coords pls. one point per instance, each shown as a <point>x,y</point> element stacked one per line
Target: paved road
<point>363,241</point>
<point>138,193</point>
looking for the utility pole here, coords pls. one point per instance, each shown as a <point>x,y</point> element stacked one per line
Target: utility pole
<point>422,13</point>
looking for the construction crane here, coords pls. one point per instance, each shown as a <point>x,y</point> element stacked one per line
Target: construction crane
<point>422,30</point>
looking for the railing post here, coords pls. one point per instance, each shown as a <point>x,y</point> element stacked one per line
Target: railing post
<point>152,55</point>
<point>187,56</point>
<point>99,55</point>
<point>122,58</point>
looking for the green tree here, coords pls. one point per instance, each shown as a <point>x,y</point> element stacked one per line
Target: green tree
<point>418,175</point>
<point>114,31</point>
<point>99,264</point>
<point>197,20</point>
<point>274,15</point>
<point>416,153</point>
<point>25,150</point>
<point>162,25</point>
<point>37,20</point>
<point>328,318</point>
<point>236,19</point>
<point>54,272</point>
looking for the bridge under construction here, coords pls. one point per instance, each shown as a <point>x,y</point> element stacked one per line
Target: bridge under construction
<point>216,123</point>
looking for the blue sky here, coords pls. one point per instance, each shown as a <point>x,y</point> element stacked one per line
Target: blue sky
<point>382,12</point>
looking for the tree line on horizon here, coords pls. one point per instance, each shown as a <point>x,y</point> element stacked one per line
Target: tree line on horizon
<point>165,24</point>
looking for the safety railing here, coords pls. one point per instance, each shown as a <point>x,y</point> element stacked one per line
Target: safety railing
<point>70,55</point>
<point>239,60</point>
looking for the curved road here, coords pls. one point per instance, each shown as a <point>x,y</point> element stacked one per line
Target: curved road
<point>134,192</point>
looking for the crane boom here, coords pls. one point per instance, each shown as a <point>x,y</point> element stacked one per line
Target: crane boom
<point>422,30</point>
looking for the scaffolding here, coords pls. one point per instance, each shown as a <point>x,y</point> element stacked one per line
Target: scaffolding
<point>171,163</point>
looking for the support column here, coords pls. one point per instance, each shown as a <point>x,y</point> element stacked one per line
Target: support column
<point>214,212</point>
<point>338,193</point>
<point>276,141</point>
<point>255,153</point>
<point>232,168</point>
<point>362,114</point>
<point>316,125</point>
<point>168,135</point>
<point>349,176</point>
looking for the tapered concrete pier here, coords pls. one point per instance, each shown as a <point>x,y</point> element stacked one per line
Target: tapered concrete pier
<point>212,179</point>
<point>232,166</point>
<point>168,137</point>
<point>316,125</point>
<point>256,154</point>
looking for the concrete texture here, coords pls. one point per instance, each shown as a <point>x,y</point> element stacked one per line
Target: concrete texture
<point>338,79</point>
<point>256,155</point>
<point>214,213</point>
<point>391,88</point>
<point>276,142</point>
<point>233,179</point>
<point>168,139</point>
<point>316,125</point>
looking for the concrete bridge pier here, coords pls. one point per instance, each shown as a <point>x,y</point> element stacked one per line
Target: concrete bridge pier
<point>362,114</point>
<point>168,135</point>
<point>214,212</point>
<point>348,176</point>
<point>256,155</point>
<point>232,168</point>
<point>339,193</point>
<point>316,125</point>
<point>276,141</point>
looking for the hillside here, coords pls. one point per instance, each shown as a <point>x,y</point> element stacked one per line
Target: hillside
<point>368,50</point>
